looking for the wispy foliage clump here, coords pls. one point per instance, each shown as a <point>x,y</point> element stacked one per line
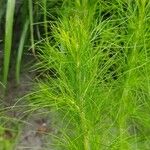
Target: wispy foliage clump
<point>96,74</point>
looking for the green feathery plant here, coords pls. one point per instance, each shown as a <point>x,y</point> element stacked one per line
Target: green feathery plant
<point>74,61</point>
<point>96,67</point>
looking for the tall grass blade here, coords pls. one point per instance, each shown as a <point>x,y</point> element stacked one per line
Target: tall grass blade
<point>8,37</point>
<point>31,14</point>
<point>20,49</point>
<point>45,19</point>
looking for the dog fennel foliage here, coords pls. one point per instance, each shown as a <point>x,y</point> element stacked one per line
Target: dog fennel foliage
<point>98,63</point>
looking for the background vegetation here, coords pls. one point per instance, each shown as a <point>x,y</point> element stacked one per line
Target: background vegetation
<point>92,60</point>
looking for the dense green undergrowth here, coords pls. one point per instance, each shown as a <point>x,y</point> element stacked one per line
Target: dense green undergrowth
<point>93,64</point>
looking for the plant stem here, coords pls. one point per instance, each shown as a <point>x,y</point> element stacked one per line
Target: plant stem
<point>31,26</point>
<point>85,131</point>
<point>45,20</point>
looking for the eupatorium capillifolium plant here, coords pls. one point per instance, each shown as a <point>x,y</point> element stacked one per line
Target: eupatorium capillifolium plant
<point>96,74</point>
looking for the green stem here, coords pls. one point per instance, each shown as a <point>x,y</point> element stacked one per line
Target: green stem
<point>31,25</point>
<point>85,131</point>
<point>45,20</point>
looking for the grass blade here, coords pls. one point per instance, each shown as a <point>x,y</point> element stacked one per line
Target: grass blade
<point>20,49</point>
<point>45,19</point>
<point>31,25</point>
<point>8,37</point>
